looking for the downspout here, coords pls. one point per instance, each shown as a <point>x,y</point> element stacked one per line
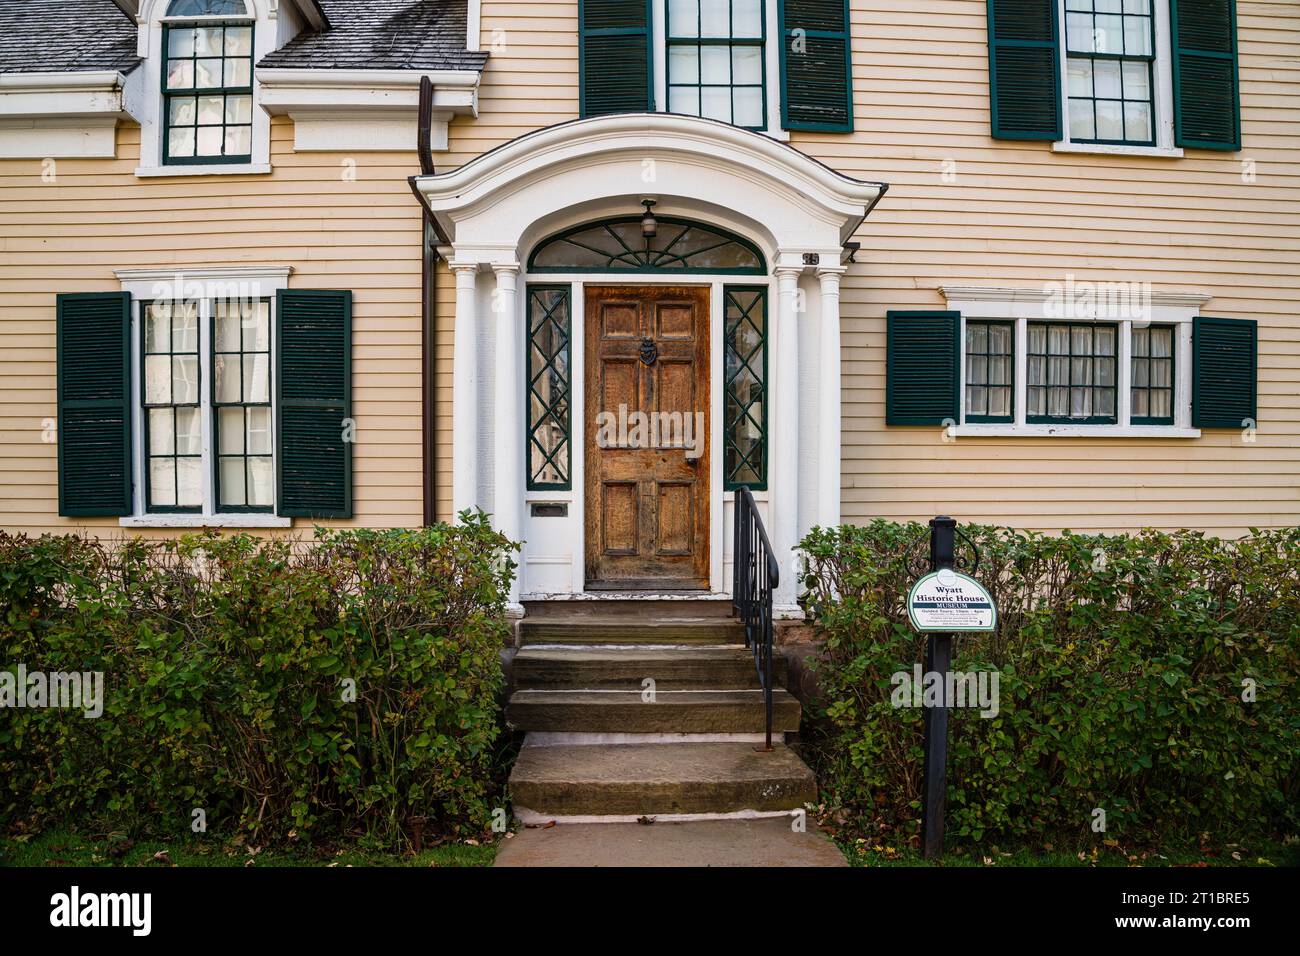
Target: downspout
<point>428,307</point>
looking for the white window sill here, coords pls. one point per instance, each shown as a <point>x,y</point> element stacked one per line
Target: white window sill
<point>206,169</point>
<point>206,521</point>
<point>1071,431</point>
<point>1108,149</point>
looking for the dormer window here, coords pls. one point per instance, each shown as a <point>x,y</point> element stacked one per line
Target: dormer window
<point>207,80</point>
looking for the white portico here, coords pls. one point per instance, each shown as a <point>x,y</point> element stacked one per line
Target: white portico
<point>759,226</point>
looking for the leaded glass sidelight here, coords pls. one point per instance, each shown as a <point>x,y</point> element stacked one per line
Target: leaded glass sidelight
<point>617,245</point>
<point>548,452</point>
<point>745,363</point>
<point>241,401</point>
<point>170,380</point>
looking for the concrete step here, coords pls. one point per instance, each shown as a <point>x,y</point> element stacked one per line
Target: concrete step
<point>649,779</point>
<point>680,711</point>
<point>597,668</point>
<point>620,630</point>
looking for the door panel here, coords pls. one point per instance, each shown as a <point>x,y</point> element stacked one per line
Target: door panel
<point>647,476</point>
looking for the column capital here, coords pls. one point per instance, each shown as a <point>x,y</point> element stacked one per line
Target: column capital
<point>505,268</point>
<point>787,272</point>
<point>459,266</point>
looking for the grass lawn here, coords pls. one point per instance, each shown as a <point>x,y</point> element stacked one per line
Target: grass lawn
<point>1108,853</point>
<point>67,848</point>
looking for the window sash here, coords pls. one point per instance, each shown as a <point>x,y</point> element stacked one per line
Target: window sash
<point>196,92</point>
<point>1047,355</point>
<point>988,354</point>
<point>1148,60</point>
<point>731,42</point>
<point>1148,361</point>
<point>149,407</point>
<point>245,403</point>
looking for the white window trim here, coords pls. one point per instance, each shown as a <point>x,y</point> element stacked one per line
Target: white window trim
<point>265,39</point>
<point>772,46</point>
<point>1023,306</point>
<point>203,283</point>
<point>1163,103</point>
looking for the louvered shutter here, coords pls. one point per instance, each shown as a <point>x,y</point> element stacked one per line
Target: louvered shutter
<point>94,403</point>
<point>1224,363</point>
<point>1207,106</point>
<point>614,55</point>
<point>922,363</point>
<point>314,404</point>
<point>816,65</point>
<point>1024,69</point>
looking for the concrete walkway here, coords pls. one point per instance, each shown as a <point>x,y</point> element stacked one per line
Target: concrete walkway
<point>760,842</point>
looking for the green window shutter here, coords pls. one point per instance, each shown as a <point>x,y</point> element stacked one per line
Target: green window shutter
<point>313,385</point>
<point>816,65</point>
<point>922,365</point>
<point>1224,362</point>
<point>1024,69</point>
<point>1207,103</point>
<point>94,395</point>
<point>614,57</point>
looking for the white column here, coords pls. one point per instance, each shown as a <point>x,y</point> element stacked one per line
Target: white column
<point>783,446</point>
<point>508,428</point>
<point>829,399</point>
<point>464,394</point>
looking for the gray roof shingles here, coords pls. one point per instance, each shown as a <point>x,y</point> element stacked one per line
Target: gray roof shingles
<point>383,35</point>
<point>55,36</point>
<point>63,36</point>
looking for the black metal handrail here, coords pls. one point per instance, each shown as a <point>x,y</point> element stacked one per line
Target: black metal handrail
<point>757,574</point>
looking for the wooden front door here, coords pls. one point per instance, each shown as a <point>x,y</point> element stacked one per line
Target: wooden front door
<point>647,431</point>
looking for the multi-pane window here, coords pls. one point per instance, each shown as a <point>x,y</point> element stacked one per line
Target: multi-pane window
<point>1071,372</point>
<point>549,381</point>
<point>1110,59</point>
<point>715,60</point>
<point>171,399</point>
<point>745,364</point>
<point>1152,387</point>
<point>208,88</point>
<point>241,401</point>
<point>990,371</point>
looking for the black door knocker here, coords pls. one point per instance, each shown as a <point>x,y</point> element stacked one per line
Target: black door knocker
<point>649,351</point>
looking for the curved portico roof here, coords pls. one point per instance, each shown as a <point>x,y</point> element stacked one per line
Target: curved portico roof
<point>791,201</point>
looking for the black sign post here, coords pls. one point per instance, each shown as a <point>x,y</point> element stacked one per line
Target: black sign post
<point>938,660</point>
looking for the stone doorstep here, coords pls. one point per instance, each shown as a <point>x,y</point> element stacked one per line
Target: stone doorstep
<point>626,668</point>
<point>673,711</point>
<point>661,778</point>
<point>617,630</point>
<point>763,842</point>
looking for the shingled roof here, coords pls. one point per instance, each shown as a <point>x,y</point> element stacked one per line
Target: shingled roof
<point>383,35</point>
<point>56,36</point>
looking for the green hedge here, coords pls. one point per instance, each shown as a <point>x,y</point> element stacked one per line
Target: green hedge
<point>340,686</point>
<point>1121,663</point>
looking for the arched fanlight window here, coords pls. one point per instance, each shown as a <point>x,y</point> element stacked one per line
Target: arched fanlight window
<point>207,80</point>
<point>207,8</point>
<point>617,245</point>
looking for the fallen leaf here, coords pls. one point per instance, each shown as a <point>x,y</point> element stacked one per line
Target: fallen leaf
<point>162,857</point>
